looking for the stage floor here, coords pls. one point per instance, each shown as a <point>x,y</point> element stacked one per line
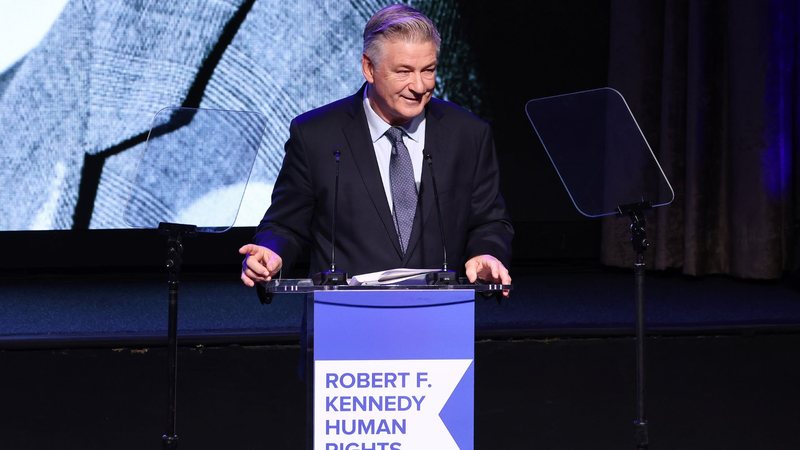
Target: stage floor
<point>90,309</point>
<point>735,392</point>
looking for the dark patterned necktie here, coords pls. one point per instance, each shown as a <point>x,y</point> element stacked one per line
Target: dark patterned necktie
<point>404,188</point>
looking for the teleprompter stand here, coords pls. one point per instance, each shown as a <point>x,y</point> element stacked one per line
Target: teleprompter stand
<point>190,179</point>
<point>607,168</point>
<point>640,243</point>
<point>175,233</point>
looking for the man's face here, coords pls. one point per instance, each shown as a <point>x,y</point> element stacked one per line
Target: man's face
<point>402,79</point>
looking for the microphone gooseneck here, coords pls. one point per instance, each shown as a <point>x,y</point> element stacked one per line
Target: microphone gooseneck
<point>332,276</point>
<point>336,154</point>
<point>429,160</point>
<point>445,276</point>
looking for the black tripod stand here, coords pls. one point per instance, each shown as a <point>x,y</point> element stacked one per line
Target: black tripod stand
<point>191,156</point>
<point>640,243</point>
<point>607,168</point>
<point>175,233</point>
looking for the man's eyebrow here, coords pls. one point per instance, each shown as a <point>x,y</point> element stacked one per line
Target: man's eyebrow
<point>411,67</point>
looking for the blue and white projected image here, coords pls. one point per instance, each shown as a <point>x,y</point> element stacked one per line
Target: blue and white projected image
<point>82,80</point>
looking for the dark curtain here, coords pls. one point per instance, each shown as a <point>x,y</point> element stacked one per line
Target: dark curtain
<point>714,87</point>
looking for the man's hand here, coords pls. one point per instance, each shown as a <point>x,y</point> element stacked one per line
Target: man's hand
<point>487,268</point>
<point>260,264</point>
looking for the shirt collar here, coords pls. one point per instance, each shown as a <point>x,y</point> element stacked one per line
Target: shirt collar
<point>378,126</point>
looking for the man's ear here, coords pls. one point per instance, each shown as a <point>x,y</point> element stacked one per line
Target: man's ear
<point>367,68</point>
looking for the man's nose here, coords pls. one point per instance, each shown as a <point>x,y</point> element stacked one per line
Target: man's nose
<point>417,86</point>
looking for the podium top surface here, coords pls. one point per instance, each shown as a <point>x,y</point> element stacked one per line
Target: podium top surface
<point>305,285</point>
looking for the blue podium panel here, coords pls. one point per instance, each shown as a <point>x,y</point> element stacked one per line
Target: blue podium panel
<point>394,369</point>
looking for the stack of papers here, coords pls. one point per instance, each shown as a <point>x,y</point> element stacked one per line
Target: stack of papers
<point>391,276</point>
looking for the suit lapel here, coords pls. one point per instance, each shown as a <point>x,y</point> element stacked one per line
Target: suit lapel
<point>357,134</point>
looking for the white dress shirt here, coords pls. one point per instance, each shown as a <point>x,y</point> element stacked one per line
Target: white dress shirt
<point>413,137</point>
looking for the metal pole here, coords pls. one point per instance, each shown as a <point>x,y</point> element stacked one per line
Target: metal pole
<point>174,252</point>
<point>640,244</point>
<point>170,438</point>
<point>174,233</point>
<point>641,422</point>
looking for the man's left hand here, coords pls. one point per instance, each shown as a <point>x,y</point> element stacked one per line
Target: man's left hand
<point>487,268</point>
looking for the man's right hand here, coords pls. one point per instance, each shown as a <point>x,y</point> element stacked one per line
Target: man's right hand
<point>260,264</point>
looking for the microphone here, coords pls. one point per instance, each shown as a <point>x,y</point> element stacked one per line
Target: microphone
<point>444,276</point>
<point>332,277</point>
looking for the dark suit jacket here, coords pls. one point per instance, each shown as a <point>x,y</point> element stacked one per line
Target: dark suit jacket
<point>465,165</point>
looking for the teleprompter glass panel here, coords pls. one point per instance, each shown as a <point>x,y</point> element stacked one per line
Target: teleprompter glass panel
<point>194,168</point>
<point>599,151</point>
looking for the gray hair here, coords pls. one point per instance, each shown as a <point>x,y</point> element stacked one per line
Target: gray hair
<point>398,22</point>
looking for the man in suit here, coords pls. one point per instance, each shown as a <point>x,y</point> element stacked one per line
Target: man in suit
<point>386,214</point>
